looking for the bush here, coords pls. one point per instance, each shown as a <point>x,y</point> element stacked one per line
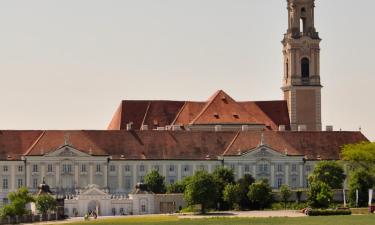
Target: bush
<point>361,180</point>
<point>260,195</point>
<point>231,195</point>
<point>289,206</point>
<point>319,212</point>
<point>320,195</point>
<point>155,182</point>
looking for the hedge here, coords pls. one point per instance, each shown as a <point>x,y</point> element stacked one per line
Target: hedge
<point>320,212</point>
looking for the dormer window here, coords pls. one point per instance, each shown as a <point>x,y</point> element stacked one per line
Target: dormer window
<point>224,99</point>
<point>236,116</point>
<point>216,116</point>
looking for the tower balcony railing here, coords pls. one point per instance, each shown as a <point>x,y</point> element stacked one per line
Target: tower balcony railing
<point>312,80</point>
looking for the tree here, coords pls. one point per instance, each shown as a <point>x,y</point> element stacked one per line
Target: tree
<point>285,193</point>
<point>177,187</point>
<point>329,172</point>
<point>244,184</point>
<point>155,182</point>
<point>201,189</point>
<point>223,176</point>
<point>320,194</point>
<point>361,180</point>
<point>45,203</point>
<point>260,194</point>
<point>231,195</point>
<point>18,201</point>
<point>360,155</point>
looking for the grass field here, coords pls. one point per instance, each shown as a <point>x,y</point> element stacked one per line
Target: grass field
<point>172,220</point>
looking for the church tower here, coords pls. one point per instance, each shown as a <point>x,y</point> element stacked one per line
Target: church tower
<point>301,82</point>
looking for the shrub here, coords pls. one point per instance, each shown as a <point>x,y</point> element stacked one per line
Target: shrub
<point>320,195</point>
<point>260,195</point>
<point>285,193</point>
<point>231,195</point>
<point>319,212</point>
<point>155,182</point>
<point>361,180</point>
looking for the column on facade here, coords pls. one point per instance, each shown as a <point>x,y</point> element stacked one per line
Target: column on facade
<point>119,174</point>
<point>28,175</point>
<point>255,171</point>
<point>164,170</point>
<point>105,174</point>
<point>287,173</point>
<point>301,175</point>
<point>76,174</point>
<point>209,168</point>
<point>273,175</point>
<point>179,171</point>
<point>12,177</point>
<point>91,175</point>
<point>57,175</point>
<point>134,170</point>
<point>42,170</point>
<point>240,171</point>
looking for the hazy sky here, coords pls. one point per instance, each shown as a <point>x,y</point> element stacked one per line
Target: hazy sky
<point>67,64</point>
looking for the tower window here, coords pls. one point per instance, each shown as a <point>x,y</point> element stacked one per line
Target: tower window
<point>305,68</point>
<point>287,69</point>
<point>303,21</point>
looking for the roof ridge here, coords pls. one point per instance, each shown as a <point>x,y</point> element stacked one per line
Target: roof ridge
<point>179,113</point>
<point>36,142</point>
<point>232,142</point>
<point>146,113</point>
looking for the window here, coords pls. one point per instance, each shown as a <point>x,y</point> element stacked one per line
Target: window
<point>156,168</point>
<point>19,183</point>
<point>142,168</point>
<point>303,21</point>
<point>114,211</point>
<point>121,211</point>
<point>49,168</point>
<point>202,168</point>
<point>279,168</point>
<point>279,182</point>
<point>171,168</point>
<point>294,182</point>
<point>287,69</point>
<point>5,183</point>
<point>35,168</point>
<point>127,168</point>
<point>171,180</point>
<point>263,168</point>
<point>5,168</point>
<point>186,168</point>
<point>142,179</point>
<point>35,183</point>
<point>247,168</point>
<point>294,168</point>
<point>308,168</point>
<point>112,168</point>
<point>143,208</point>
<point>305,68</point>
<point>232,167</point>
<point>67,168</point>
<point>5,201</point>
<point>98,168</point>
<point>20,168</point>
<point>128,183</point>
<point>83,168</point>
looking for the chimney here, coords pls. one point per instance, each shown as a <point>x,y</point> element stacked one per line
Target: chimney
<point>129,126</point>
<point>281,127</point>
<point>329,128</point>
<point>302,127</point>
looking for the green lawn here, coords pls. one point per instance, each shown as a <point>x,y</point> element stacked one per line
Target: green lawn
<point>172,220</point>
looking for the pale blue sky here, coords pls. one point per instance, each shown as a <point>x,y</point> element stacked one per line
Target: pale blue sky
<point>67,64</point>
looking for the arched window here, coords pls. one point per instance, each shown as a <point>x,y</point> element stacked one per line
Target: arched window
<point>303,21</point>
<point>305,68</point>
<point>287,69</point>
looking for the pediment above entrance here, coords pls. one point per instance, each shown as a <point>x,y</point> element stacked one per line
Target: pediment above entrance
<point>262,152</point>
<point>94,191</point>
<point>67,151</point>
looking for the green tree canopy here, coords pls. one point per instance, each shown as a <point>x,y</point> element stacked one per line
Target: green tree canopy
<point>231,195</point>
<point>45,203</point>
<point>260,194</point>
<point>285,193</point>
<point>155,182</point>
<point>244,184</point>
<point>329,172</point>
<point>18,201</point>
<point>201,189</point>
<point>361,180</point>
<point>360,155</point>
<point>320,194</point>
<point>223,176</point>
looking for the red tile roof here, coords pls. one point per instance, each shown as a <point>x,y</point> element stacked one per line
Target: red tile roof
<point>174,145</point>
<point>219,109</point>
